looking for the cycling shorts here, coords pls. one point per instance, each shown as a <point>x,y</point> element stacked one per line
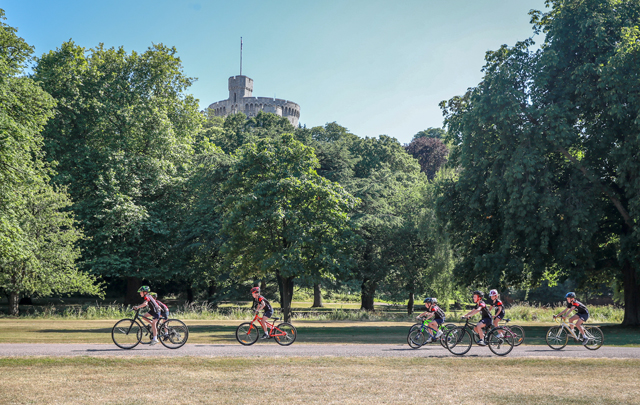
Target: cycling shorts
<point>439,320</point>
<point>153,314</point>
<point>165,314</point>
<point>500,315</point>
<point>267,313</point>
<point>486,321</point>
<point>584,317</point>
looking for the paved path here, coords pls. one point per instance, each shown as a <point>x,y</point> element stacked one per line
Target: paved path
<point>304,350</point>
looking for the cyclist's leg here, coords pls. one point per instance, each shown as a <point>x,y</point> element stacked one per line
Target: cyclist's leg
<point>479,330</point>
<point>433,326</point>
<point>572,322</point>
<point>263,321</point>
<point>580,321</point>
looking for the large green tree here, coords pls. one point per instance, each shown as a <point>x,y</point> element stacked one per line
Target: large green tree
<point>548,143</point>
<point>123,136</point>
<point>38,236</point>
<point>282,218</point>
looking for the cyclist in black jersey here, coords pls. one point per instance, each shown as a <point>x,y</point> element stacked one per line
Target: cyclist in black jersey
<point>499,306</point>
<point>486,315</point>
<point>154,310</point>
<point>433,310</point>
<point>259,304</point>
<point>581,316</point>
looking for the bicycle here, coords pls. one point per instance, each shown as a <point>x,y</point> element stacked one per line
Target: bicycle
<point>558,336</point>
<point>459,339</point>
<point>284,334</point>
<point>419,332</point>
<point>516,330</point>
<point>129,332</point>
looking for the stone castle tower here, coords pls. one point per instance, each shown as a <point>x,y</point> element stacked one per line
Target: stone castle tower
<point>241,100</point>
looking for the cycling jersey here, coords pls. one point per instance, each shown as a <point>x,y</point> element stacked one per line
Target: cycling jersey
<point>579,307</point>
<point>499,306</point>
<point>152,304</point>
<point>267,305</point>
<point>438,313</point>
<point>484,310</point>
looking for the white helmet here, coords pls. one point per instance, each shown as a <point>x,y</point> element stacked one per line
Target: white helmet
<point>493,293</point>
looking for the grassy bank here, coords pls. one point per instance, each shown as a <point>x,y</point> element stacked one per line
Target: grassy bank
<point>301,311</point>
<point>223,332</point>
<point>316,380</point>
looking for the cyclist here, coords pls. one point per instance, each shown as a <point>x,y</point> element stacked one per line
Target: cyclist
<point>499,306</point>
<point>164,310</point>
<point>154,310</point>
<point>260,303</point>
<point>486,315</point>
<point>581,316</point>
<point>433,310</point>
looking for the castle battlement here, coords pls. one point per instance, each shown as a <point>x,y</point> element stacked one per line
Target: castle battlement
<point>241,99</point>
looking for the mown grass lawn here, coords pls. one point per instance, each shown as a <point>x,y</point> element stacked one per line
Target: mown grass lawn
<point>324,380</point>
<point>201,331</point>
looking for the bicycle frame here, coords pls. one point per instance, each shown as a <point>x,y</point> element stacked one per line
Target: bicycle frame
<point>570,327</point>
<point>270,326</point>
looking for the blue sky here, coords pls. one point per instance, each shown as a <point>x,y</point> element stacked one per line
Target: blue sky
<point>375,67</point>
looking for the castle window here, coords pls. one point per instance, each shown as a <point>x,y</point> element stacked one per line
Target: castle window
<point>234,97</point>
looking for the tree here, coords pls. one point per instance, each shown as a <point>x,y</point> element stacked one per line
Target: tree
<point>37,235</point>
<point>435,133</point>
<point>123,137</point>
<point>431,154</point>
<point>282,218</point>
<point>548,146</point>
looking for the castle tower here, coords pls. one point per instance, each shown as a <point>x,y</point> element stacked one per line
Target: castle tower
<point>241,100</point>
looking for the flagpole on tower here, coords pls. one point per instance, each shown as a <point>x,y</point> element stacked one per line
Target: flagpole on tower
<point>240,56</point>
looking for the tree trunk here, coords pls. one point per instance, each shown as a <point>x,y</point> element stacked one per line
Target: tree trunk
<point>14,300</point>
<point>190,295</point>
<point>286,294</point>
<point>410,304</point>
<point>317,296</point>
<point>631,295</point>
<point>211,292</point>
<point>263,286</point>
<point>368,292</point>
<point>133,296</point>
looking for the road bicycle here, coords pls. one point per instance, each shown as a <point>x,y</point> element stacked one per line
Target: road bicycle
<point>558,336</point>
<point>499,340</point>
<point>128,333</point>
<point>516,330</point>
<point>420,332</point>
<point>248,333</point>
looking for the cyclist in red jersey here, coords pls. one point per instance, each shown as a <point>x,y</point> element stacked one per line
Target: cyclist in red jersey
<point>259,304</point>
<point>581,316</point>
<point>433,310</point>
<point>499,306</point>
<point>486,315</point>
<point>154,310</point>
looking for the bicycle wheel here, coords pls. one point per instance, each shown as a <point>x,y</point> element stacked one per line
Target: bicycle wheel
<point>285,334</point>
<point>458,341</point>
<point>247,333</point>
<point>445,329</point>
<point>126,333</point>
<point>557,337</point>
<point>173,334</point>
<point>518,334</point>
<point>595,336</point>
<point>411,329</point>
<point>500,341</point>
<point>416,337</point>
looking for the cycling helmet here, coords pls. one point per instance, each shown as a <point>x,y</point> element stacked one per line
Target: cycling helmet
<point>434,301</point>
<point>428,300</point>
<point>144,288</point>
<point>493,293</point>
<point>255,290</point>
<point>478,293</point>
<point>570,295</point>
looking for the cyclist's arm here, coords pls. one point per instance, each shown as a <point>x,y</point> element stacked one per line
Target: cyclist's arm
<point>260,306</point>
<point>144,304</point>
<point>564,312</point>
<point>472,313</point>
<point>422,315</point>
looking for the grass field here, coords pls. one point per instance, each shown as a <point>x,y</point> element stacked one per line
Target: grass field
<point>318,381</point>
<point>99,331</point>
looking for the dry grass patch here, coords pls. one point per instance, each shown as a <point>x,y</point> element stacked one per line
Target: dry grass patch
<point>325,380</point>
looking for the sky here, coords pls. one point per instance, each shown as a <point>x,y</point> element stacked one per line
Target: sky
<point>374,67</point>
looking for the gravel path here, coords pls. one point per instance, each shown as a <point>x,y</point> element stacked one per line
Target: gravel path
<point>271,349</point>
